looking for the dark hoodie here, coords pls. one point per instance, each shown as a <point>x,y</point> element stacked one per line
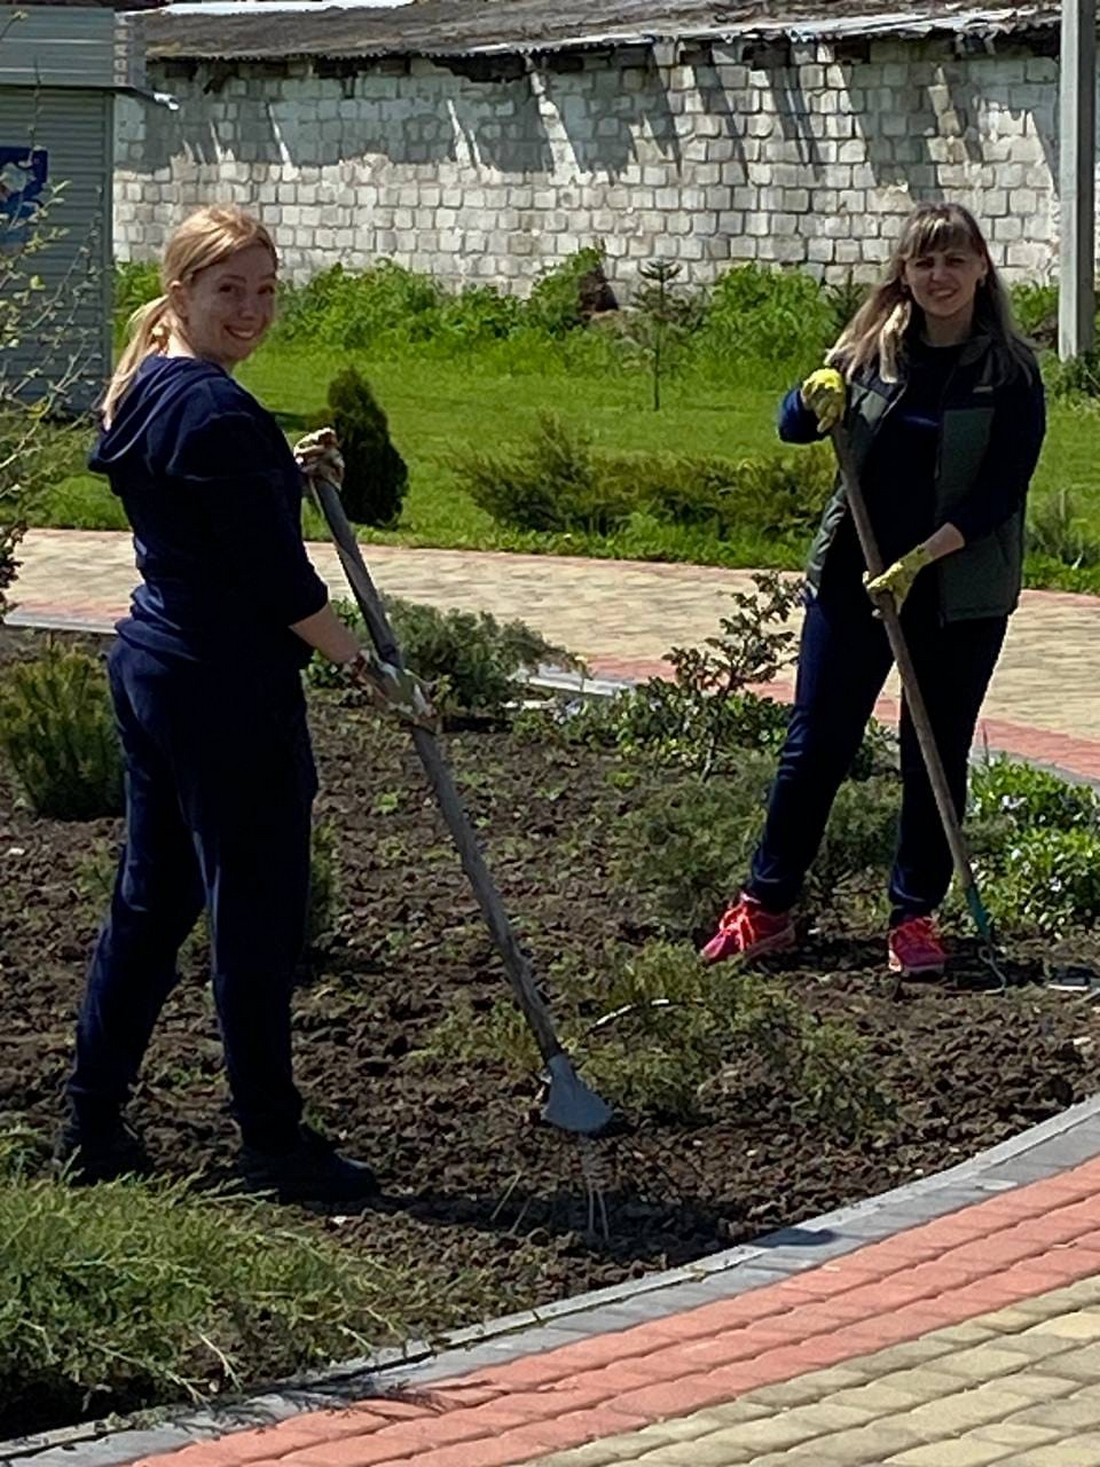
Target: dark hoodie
<point>212,491</point>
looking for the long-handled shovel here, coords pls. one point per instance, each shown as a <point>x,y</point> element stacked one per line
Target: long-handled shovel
<point>918,711</point>
<point>570,1104</point>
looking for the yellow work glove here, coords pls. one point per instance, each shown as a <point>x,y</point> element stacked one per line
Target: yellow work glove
<point>825,393</point>
<point>897,580</point>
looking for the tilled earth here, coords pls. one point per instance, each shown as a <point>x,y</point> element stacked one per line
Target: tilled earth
<point>478,1194</point>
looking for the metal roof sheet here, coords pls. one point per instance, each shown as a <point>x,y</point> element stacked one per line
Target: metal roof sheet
<point>252,30</point>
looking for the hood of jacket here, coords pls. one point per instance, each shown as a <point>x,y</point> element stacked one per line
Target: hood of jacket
<point>152,406</point>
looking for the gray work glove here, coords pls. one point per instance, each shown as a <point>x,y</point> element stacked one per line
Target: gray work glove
<point>318,456</point>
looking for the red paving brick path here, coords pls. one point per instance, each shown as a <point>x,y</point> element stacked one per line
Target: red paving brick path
<point>622,615</point>
<point>1013,1247</point>
<point>1076,755</point>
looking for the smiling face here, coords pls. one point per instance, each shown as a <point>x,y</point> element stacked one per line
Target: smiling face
<point>944,282</point>
<point>224,311</point>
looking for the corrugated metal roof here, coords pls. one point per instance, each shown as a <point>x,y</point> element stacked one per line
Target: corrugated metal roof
<point>483,27</point>
<point>94,4</point>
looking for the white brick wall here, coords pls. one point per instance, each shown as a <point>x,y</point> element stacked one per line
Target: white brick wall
<point>710,163</point>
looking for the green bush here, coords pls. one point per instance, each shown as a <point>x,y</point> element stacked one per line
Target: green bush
<point>564,297</point>
<point>472,660</point>
<point>555,481</point>
<point>687,844</point>
<point>1036,844</point>
<point>57,730</point>
<point>1075,378</point>
<point>137,282</point>
<point>1029,798</point>
<point>469,1034</point>
<point>708,714</point>
<point>665,1036</point>
<point>779,496</point>
<point>478,315</point>
<point>385,305</point>
<point>1047,881</point>
<point>724,1025</point>
<point>1057,532</point>
<point>659,720</point>
<point>758,316</point>
<point>126,1295</point>
<point>683,848</point>
<point>387,308</point>
<point>375,474</point>
<point>1036,309</point>
<point>860,836</point>
<point>845,297</point>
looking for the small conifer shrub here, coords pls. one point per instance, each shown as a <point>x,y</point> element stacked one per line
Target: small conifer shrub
<point>375,474</point>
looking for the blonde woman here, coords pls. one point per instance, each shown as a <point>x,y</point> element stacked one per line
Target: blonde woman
<point>206,681</point>
<point>944,409</point>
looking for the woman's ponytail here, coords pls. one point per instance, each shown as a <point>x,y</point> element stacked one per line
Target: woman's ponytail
<point>149,329</point>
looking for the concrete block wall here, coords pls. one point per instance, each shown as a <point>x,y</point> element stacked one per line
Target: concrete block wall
<point>711,156</point>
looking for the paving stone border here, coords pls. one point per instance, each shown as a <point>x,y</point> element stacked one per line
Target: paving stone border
<point>1042,1151</point>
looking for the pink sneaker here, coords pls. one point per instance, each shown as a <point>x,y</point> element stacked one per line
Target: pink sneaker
<point>914,947</point>
<point>746,929</point>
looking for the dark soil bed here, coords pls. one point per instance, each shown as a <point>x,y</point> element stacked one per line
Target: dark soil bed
<point>477,1192</point>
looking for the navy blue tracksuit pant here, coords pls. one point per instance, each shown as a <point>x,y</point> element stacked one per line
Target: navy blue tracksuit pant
<point>219,788</point>
<point>843,663</point>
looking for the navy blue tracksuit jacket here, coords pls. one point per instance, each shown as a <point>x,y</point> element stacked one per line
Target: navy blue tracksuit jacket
<point>206,682</point>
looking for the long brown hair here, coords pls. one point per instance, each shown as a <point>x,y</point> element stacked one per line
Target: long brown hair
<point>875,336</point>
<point>206,237</point>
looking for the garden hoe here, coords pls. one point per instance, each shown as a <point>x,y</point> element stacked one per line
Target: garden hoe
<point>918,712</point>
<point>570,1104</point>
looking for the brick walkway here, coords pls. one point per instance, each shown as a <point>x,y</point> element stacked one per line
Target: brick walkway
<point>972,1339</point>
<point>968,1340</point>
<point>954,1324</point>
<point>624,616</point>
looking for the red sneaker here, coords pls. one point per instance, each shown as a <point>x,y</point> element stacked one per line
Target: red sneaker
<point>914,947</point>
<point>747,929</point>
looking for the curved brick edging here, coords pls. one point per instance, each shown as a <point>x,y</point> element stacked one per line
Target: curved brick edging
<point>989,1256</point>
<point>1076,758</point>
<point>1021,1174</point>
<point>622,615</point>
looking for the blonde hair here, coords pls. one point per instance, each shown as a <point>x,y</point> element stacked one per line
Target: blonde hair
<point>205,238</point>
<point>876,335</point>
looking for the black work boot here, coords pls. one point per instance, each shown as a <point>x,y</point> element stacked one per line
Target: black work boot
<point>310,1170</point>
<point>83,1158</point>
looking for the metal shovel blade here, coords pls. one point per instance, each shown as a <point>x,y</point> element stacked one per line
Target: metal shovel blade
<point>571,1106</point>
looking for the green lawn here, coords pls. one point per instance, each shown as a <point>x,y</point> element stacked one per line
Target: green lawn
<point>437,408</point>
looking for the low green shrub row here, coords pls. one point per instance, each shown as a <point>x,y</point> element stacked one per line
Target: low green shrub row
<point>558,481</point>
<point>753,317</point>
